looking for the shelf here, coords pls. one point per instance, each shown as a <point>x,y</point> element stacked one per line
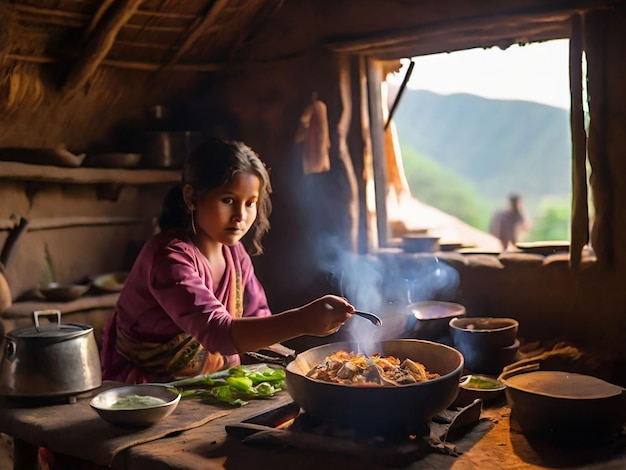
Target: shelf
<point>79,175</point>
<point>24,309</point>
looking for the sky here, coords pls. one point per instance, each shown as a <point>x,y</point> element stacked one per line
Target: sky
<point>536,72</point>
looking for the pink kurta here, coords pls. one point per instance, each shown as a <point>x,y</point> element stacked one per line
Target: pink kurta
<point>168,291</point>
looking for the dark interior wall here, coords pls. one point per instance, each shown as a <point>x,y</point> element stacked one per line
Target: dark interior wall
<point>267,103</point>
<point>75,252</point>
<point>551,301</point>
<point>262,105</point>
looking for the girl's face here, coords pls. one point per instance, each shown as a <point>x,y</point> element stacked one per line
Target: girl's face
<point>225,214</point>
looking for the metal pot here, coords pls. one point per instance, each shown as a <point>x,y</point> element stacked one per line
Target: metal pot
<point>401,409</point>
<point>169,149</point>
<point>52,360</point>
<point>431,318</point>
<point>562,405</point>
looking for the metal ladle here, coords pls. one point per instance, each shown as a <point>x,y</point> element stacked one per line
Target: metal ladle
<point>375,319</point>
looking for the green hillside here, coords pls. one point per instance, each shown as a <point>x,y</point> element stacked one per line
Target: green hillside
<point>495,146</point>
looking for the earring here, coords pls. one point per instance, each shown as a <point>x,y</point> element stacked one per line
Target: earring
<point>193,223</point>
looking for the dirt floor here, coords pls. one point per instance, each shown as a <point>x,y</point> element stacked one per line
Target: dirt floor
<point>6,452</point>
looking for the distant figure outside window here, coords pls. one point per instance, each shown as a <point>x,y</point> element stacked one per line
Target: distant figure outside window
<point>509,224</point>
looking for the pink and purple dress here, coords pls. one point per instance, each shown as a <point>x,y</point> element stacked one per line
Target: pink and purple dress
<point>168,312</point>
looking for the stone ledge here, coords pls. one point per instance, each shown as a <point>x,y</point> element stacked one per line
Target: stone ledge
<point>521,258</point>
<point>484,261</point>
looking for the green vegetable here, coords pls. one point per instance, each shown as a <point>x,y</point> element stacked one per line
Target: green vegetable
<point>234,385</point>
<point>240,384</point>
<point>482,383</point>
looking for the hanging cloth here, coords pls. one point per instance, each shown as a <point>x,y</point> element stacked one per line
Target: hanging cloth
<point>313,133</point>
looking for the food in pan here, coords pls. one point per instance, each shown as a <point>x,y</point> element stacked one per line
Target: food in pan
<point>357,369</point>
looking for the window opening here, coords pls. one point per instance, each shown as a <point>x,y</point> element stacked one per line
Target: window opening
<point>476,126</point>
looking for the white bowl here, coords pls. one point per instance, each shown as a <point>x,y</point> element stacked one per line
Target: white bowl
<point>116,407</point>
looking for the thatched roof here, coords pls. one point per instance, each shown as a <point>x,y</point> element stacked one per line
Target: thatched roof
<point>137,53</point>
<point>205,35</point>
<point>151,35</point>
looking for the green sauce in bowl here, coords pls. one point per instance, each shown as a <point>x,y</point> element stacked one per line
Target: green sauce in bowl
<point>481,382</point>
<point>133,402</point>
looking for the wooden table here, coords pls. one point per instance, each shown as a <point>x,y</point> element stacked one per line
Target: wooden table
<point>75,429</point>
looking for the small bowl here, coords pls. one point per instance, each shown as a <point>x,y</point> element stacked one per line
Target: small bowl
<point>420,243</point>
<point>483,333</point>
<point>112,160</point>
<point>474,386</point>
<point>110,282</point>
<point>115,406</point>
<point>58,292</point>
<point>432,318</point>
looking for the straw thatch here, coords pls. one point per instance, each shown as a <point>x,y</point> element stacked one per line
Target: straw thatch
<point>71,39</point>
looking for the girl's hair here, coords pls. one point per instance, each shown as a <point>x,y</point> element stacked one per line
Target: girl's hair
<point>211,165</point>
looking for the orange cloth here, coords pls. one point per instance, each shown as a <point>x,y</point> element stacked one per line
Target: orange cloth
<point>313,131</point>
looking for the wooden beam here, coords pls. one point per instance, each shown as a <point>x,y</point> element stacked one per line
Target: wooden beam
<point>460,26</point>
<point>440,43</point>
<point>95,20</point>
<point>101,9</point>
<point>263,11</point>
<point>124,64</point>
<point>580,211</point>
<point>16,171</point>
<point>100,43</point>
<point>195,30</point>
<point>50,223</point>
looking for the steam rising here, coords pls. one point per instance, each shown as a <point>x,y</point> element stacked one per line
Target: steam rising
<point>386,286</point>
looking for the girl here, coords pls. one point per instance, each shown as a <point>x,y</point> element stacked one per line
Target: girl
<point>192,303</point>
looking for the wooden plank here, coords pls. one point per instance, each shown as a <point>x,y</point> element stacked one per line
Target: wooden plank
<point>26,308</point>
<point>75,221</point>
<point>27,172</point>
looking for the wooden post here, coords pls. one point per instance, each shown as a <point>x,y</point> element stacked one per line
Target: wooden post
<point>580,213</point>
<point>377,124</point>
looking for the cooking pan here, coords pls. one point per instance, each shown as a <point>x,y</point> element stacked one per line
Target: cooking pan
<point>384,409</point>
<point>560,404</point>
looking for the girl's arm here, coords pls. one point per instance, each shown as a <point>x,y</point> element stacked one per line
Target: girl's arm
<point>318,318</point>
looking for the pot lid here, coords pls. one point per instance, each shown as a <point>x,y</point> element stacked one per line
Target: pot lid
<point>52,331</point>
<point>561,384</point>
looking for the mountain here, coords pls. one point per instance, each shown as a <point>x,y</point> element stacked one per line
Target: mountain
<point>500,146</point>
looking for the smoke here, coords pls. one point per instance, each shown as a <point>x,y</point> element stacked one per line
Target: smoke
<point>386,285</point>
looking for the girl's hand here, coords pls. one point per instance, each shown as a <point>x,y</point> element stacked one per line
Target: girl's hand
<point>325,315</point>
